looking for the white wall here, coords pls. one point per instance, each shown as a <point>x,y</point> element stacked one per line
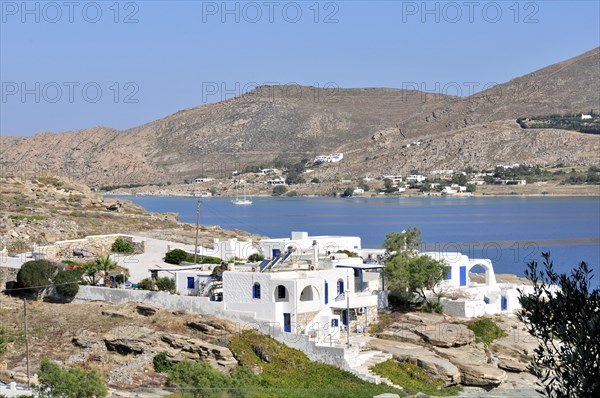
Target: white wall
<point>303,243</point>
<point>228,249</point>
<point>181,283</point>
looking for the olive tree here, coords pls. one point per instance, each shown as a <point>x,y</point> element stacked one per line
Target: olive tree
<point>563,313</point>
<point>55,381</point>
<point>408,273</point>
<point>36,276</point>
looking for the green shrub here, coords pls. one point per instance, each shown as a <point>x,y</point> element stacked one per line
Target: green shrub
<point>165,284</point>
<point>56,381</point>
<point>255,257</point>
<point>67,282</point>
<point>203,259</point>
<point>121,245</point>
<point>35,276</point>
<point>176,256</point>
<point>279,190</point>
<point>486,330</point>
<point>145,284</point>
<point>433,306</point>
<point>413,378</point>
<point>161,362</point>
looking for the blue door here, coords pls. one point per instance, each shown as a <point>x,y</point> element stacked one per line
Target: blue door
<point>503,303</point>
<point>326,292</point>
<point>463,276</point>
<point>287,323</point>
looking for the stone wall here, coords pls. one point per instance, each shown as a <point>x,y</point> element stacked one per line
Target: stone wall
<point>91,246</point>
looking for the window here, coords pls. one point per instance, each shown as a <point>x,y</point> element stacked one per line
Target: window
<point>256,291</point>
<point>335,323</point>
<point>340,286</point>
<point>326,292</point>
<point>191,282</point>
<point>280,292</point>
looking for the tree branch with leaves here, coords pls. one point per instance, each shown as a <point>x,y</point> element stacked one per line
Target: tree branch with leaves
<point>563,313</point>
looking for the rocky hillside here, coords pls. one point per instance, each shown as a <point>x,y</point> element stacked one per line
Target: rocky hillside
<point>284,123</point>
<point>48,209</point>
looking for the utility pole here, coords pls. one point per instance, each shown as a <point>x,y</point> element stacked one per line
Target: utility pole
<point>26,343</point>
<point>348,309</point>
<point>197,227</point>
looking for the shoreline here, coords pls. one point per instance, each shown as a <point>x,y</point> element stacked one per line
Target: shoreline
<point>419,195</point>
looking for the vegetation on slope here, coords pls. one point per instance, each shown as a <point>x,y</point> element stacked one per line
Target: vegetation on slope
<point>413,378</point>
<point>564,122</point>
<point>266,368</point>
<point>486,331</point>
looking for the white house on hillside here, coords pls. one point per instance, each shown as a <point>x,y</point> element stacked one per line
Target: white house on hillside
<point>318,297</point>
<point>303,244</point>
<point>476,299</point>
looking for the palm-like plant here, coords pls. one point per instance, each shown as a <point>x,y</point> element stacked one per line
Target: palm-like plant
<point>106,264</point>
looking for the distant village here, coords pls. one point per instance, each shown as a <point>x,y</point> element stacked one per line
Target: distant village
<point>439,181</point>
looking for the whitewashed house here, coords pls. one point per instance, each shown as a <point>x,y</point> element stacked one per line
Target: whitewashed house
<point>318,296</point>
<point>303,244</point>
<point>464,298</point>
<point>415,178</point>
<point>228,249</point>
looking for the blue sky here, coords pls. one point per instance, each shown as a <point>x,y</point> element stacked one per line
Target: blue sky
<point>68,67</point>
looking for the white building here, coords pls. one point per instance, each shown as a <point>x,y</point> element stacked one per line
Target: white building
<point>276,181</point>
<point>202,179</point>
<point>228,249</point>
<point>585,117</point>
<point>475,299</point>
<point>332,158</point>
<point>415,178</point>
<point>302,244</point>
<point>358,191</point>
<point>317,297</point>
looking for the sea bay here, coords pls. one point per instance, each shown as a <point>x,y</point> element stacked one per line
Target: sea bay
<point>510,231</point>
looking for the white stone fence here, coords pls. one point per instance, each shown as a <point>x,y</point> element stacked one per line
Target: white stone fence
<point>90,246</point>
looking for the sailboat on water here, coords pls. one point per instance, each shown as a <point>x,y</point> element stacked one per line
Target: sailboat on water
<point>241,201</point>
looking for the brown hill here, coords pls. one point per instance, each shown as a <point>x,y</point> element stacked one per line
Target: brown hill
<point>287,123</point>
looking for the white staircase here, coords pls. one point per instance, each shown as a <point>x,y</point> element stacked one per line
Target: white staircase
<point>360,367</point>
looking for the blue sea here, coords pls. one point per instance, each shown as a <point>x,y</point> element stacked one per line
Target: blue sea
<point>511,231</point>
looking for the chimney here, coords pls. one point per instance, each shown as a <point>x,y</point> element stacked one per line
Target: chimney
<point>315,259</point>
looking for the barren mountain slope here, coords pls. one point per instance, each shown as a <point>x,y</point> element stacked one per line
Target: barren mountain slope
<point>288,123</point>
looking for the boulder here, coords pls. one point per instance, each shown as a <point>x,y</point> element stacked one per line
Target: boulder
<point>445,334</point>
<point>473,363</point>
<point>220,357</point>
<point>146,310</point>
<point>85,339</point>
<point>130,340</point>
<point>435,365</point>
<point>264,352</point>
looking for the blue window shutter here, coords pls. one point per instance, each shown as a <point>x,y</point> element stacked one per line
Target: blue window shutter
<point>191,283</point>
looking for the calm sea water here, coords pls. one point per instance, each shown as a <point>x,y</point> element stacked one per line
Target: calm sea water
<point>510,231</point>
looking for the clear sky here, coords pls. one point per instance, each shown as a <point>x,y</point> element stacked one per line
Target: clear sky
<point>68,65</point>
